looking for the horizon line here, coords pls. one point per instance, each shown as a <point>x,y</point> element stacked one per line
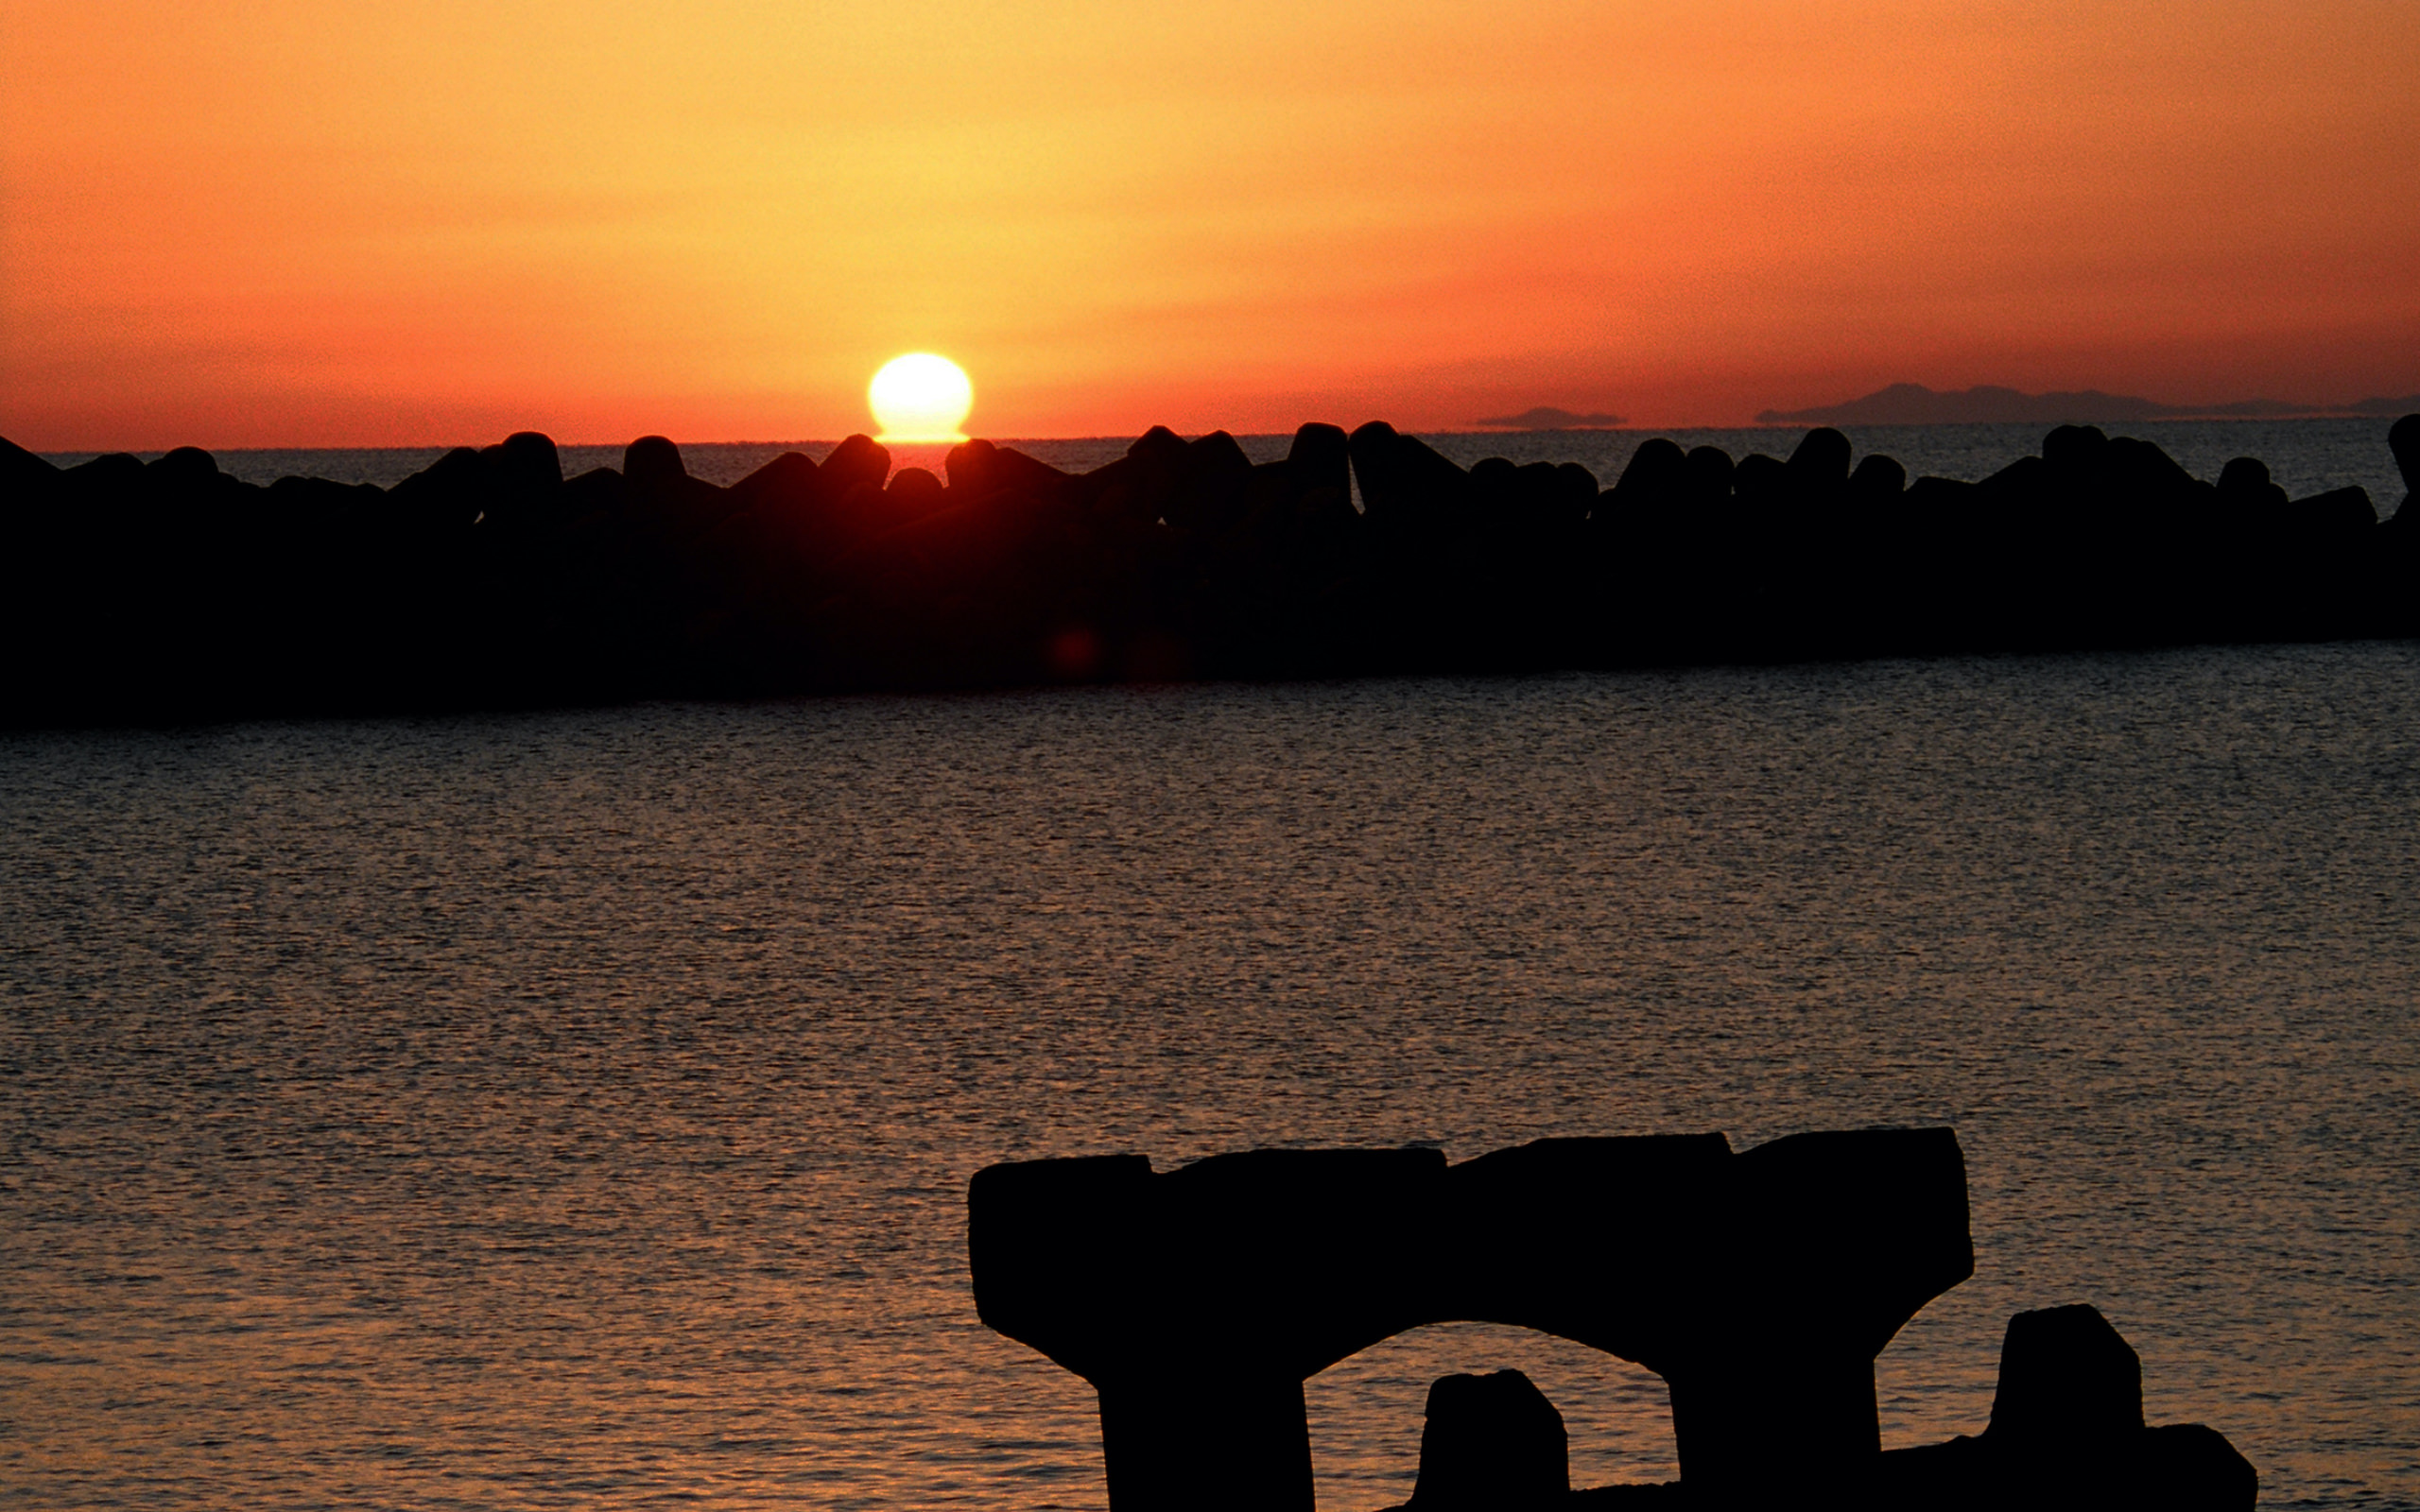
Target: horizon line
<point>2188,417</point>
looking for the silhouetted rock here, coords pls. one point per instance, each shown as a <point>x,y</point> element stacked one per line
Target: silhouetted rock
<point>1405,483</point>
<point>2066,1379</point>
<point>527,463</point>
<point>2340,516</point>
<point>1572,493</point>
<point>2019,483</point>
<point>453,490</point>
<point>976,468</point>
<point>915,492</point>
<point>1491,1441</point>
<point>186,467</point>
<point>1761,484</point>
<point>1708,475</point>
<point>1197,1301</point>
<point>786,482</point>
<point>2244,489</point>
<point>2067,1430</point>
<point>21,469</point>
<point>1496,485</point>
<point>2244,474</point>
<point>969,467</point>
<point>1820,463</point>
<point>1159,444</point>
<point>1877,481</point>
<point>2143,469</point>
<point>116,474</point>
<point>599,492</point>
<point>2403,440</point>
<point>1531,501</point>
<point>858,459</point>
<point>1211,477</point>
<point>1652,481</point>
<point>522,487</point>
<point>652,464</point>
<point>1140,487</point>
<point>2074,449</point>
<point>669,501</point>
<point>2188,1467</point>
<point>1321,458</point>
<point>1012,468</point>
<point>487,578</point>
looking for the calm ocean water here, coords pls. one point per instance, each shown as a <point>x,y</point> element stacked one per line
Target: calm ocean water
<point>574,1109</point>
<point>2305,456</point>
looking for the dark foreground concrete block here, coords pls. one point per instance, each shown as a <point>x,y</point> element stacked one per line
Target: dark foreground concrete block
<point>2066,1378</point>
<point>1760,1286</point>
<point>1820,463</point>
<point>1321,458</point>
<point>1491,1442</point>
<point>186,466</point>
<point>2192,1469</point>
<point>1878,479</point>
<point>652,464</point>
<point>2403,440</point>
<point>527,461</point>
<point>2067,1433</point>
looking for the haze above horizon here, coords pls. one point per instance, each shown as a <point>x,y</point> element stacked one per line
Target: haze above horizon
<point>441,221</point>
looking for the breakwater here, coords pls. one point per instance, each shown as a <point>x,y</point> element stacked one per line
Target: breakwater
<point>168,589</point>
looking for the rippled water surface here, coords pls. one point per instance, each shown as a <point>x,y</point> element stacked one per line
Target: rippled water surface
<point>576,1110</point>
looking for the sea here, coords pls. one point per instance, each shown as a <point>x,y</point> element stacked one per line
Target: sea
<point>575,1108</point>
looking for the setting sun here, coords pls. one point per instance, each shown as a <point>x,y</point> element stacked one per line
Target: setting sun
<point>921,398</point>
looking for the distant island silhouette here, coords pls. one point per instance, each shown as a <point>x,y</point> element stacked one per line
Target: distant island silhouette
<point>1988,405</point>
<point>1548,418</point>
<point>168,590</point>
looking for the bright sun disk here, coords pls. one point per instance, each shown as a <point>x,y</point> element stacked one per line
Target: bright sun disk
<point>921,398</point>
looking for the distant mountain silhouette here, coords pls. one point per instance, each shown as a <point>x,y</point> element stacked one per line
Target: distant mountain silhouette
<point>1990,404</point>
<point>1548,418</point>
<point>2404,406</point>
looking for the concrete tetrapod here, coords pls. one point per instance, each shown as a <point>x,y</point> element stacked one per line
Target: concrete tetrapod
<point>1760,1286</point>
<point>1491,1443</point>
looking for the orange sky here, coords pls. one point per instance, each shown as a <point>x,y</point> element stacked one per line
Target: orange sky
<point>264,222</point>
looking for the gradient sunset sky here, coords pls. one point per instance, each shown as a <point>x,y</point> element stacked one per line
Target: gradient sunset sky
<point>290,222</point>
